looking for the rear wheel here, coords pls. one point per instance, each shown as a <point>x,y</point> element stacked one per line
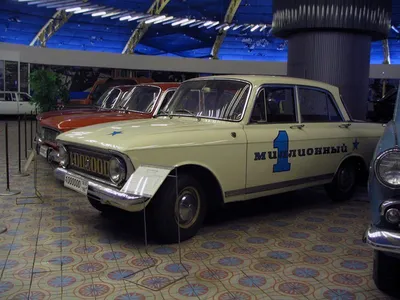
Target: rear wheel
<point>386,273</point>
<point>344,183</point>
<point>188,209</point>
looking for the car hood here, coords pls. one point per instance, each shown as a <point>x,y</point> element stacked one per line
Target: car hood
<point>70,122</point>
<point>63,112</point>
<point>152,133</point>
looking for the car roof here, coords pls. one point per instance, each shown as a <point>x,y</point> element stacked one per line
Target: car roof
<point>265,79</point>
<point>163,85</point>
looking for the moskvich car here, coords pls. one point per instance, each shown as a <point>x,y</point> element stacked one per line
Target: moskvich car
<point>383,234</point>
<point>228,138</point>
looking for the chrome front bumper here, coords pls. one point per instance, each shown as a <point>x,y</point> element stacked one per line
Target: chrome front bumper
<point>106,194</point>
<point>382,240</point>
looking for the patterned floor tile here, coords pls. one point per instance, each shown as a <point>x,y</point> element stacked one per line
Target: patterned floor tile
<point>298,246</point>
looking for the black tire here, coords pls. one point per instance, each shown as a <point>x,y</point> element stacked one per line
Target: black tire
<point>386,272</point>
<point>344,183</point>
<point>164,214</point>
<point>105,209</point>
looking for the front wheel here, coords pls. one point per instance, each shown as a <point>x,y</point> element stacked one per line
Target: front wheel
<point>386,272</point>
<point>344,183</point>
<point>185,212</point>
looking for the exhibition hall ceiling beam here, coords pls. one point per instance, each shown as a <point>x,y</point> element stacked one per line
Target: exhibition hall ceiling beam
<point>386,52</point>
<point>61,17</point>
<point>230,13</point>
<point>155,9</point>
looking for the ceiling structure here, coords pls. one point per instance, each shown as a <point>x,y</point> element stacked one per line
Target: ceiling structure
<point>227,29</point>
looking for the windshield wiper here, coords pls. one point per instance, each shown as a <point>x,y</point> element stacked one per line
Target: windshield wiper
<point>189,112</point>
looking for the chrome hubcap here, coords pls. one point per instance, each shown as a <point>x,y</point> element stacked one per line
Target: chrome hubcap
<point>187,207</point>
<point>346,179</point>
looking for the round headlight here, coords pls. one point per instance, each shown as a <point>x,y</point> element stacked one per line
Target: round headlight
<point>117,170</point>
<point>62,155</point>
<point>387,168</point>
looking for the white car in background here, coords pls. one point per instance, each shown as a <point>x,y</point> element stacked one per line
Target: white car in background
<point>16,103</point>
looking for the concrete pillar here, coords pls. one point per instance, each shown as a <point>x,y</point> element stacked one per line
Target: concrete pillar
<point>330,41</point>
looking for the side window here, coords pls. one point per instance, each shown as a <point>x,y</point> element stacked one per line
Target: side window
<point>166,99</point>
<point>274,104</point>
<point>317,106</point>
<point>6,97</point>
<point>24,97</point>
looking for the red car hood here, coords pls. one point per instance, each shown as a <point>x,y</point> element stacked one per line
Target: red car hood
<point>54,113</point>
<point>68,122</point>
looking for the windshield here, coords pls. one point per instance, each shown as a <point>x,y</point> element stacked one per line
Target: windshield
<point>108,99</point>
<point>217,99</point>
<point>142,98</point>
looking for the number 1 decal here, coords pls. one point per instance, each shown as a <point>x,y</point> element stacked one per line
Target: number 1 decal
<point>281,143</point>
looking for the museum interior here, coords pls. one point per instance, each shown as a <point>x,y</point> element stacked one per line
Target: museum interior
<point>199,149</point>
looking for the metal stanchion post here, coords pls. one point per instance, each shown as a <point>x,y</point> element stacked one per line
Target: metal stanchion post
<point>8,192</point>
<point>36,120</point>
<point>31,136</point>
<point>19,174</point>
<point>25,140</point>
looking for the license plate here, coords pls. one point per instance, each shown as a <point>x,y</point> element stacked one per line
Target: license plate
<point>43,151</point>
<point>77,184</point>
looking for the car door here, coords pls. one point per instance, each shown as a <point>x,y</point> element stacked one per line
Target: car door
<point>24,104</point>
<point>326,130</point>
<point>276,143</point>
<point>8,106</point>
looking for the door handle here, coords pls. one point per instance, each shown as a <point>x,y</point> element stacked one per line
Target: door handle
<point>299,126</point>
<point>346,125</point>
<point>20,103</point>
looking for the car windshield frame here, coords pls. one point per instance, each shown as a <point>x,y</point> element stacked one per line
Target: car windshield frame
<point>136,87</point>
<point>246,91</point>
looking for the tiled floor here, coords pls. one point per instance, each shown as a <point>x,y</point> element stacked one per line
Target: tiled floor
<point>296,246</point>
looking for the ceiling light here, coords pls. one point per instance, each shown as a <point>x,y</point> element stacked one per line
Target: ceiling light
<point>179,22</point>
<point>152,20</point>
<point>188,22</point>
<point>125,18</point>
<point>227,27</point>
<point>100,13</point>
<point>137,17</point>
<point>112,14</point>
<point>237,27</point>
<point>395,29</point>
<point>196,24</point>
<point>263,27</point>
<point>163,20</point>
<point>213,24</point>
<point>255,28</point>
<point>72,9</point>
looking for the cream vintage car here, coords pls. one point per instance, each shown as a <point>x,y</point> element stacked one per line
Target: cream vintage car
<point>228,138</point>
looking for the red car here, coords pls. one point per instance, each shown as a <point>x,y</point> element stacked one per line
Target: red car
<point>142,101</point>
<point>110,99</point>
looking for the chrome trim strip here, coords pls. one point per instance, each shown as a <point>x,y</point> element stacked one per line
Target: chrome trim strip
<point>105,193</point>
<point>277,185</point>
<point>385,205</point>
<point>382,240</point>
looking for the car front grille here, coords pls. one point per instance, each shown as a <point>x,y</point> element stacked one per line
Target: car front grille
<point>89,162</point>
<point>49,135</point>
